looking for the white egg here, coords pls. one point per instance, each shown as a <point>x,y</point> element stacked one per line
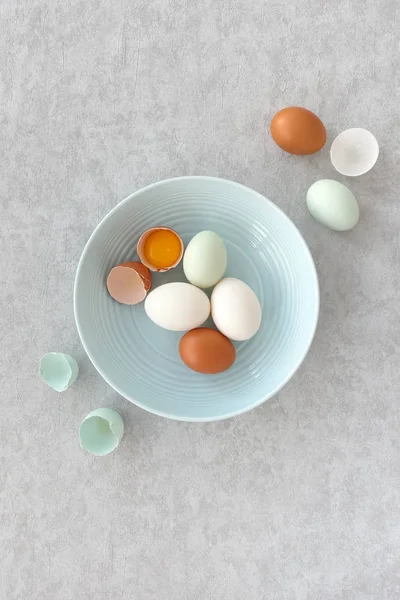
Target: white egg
<point>177,306</point>
<point>235,309</point>
<point>205,259</point>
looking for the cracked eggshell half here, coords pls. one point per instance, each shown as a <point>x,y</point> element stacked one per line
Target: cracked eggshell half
<point>58,370</point>
<point>101,431</point>
<point>129,282</point>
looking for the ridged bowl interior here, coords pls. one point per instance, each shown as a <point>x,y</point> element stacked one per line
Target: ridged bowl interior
<point>140,360</point>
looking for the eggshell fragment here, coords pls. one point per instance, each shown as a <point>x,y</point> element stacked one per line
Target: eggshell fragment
<point>207,351</point>
<point>129,282</point>
<point>101,431</point>
<point>235,309</point>
<point>58,370</point>
<point>298,130</point>
<point>354,152</point>
<point>173,252</point>
<point>177,306</point>
<point>333,205</point>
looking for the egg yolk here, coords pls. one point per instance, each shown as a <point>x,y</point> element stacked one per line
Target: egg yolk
<point>162,248</point>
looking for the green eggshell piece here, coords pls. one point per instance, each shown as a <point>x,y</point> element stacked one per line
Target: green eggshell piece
<point>333,204</point>
<point>205,259</point>
<point>101,431</point>
<point>58,370</point>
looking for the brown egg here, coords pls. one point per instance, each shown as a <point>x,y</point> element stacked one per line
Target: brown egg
<point>207,351</point>
<point>129,282</point>
<point>298,131</point>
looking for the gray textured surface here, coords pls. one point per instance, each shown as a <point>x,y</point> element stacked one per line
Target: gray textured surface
<point>299,499</point>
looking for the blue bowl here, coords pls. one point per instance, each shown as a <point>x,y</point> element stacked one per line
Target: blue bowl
<point>140,360</point>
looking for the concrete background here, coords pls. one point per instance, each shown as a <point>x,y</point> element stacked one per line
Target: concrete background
<point>297,500</point>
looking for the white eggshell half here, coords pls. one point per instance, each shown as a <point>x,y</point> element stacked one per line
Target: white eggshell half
<point>235,309</point>
<point>333,205</point>
<point>354,152</point>
<point>205,259</point>
<point>177,306</point>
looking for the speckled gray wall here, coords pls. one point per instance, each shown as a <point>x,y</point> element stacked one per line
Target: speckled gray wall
<point>297,500</point>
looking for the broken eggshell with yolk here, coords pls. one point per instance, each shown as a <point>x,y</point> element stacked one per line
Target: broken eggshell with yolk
<point>160,249</point>
<point>128,283</point>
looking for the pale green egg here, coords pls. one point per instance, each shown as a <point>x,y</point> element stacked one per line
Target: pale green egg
<point>205,259</point>
<point>333,205</point>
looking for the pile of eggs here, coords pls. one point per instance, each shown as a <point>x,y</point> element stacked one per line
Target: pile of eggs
<point>180,306</point>
<point>234,307</point>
